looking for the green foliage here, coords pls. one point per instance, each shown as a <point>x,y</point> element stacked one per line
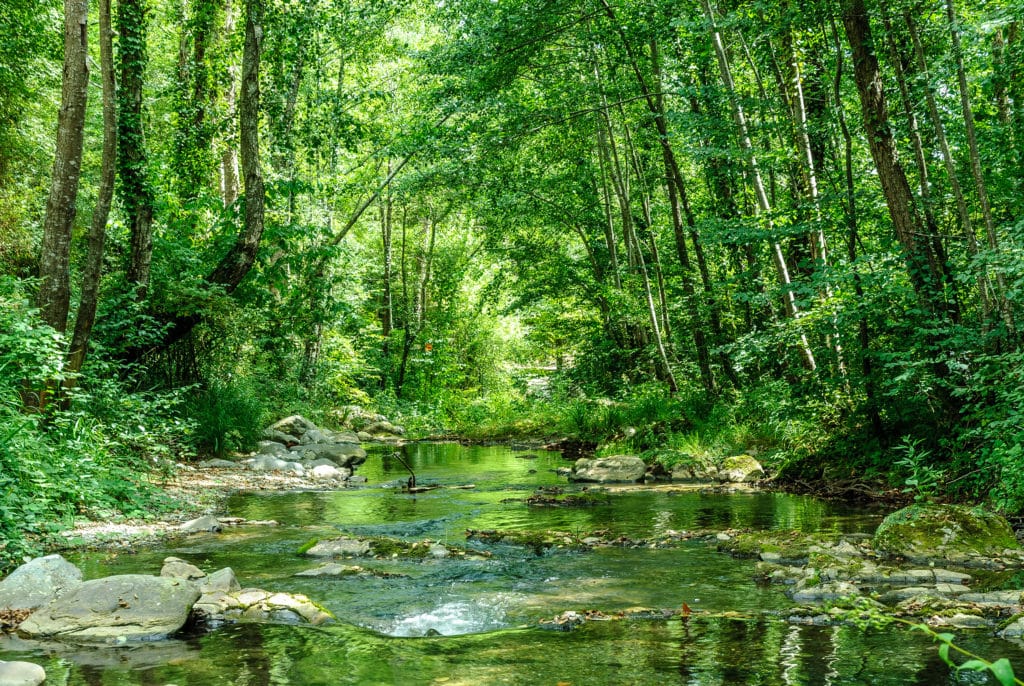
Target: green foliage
<point>923,479</point>
<point>228,415</point>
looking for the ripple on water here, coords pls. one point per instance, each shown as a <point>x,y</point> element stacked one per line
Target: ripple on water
<point>452,618</point>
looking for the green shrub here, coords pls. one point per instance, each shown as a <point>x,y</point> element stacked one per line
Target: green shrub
<point>228,416</point>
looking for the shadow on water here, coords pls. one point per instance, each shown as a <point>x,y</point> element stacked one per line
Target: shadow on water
<point>472,621</point>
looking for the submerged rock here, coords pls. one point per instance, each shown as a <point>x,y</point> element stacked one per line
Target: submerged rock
<point>340,547</point>
<point>38,582</point>
<point>116,608</point>
<point>609,469</point>
<point>957,533</point>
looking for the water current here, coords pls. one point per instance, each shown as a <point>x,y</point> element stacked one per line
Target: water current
<point>475,621</point>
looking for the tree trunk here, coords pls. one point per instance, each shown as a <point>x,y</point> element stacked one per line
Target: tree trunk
<point>89,297</point>
<point>237,262</point>
<point>863,332</point>
<point>979,178</point>
<point>136,191</point>
<point>229,154</point>
<point>386,310</point>
<point>54,294</point>
<point>924,272</point>
<point>967,225</point>
<point>763,204</point>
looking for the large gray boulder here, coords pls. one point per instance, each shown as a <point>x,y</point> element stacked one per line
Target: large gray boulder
<point>341,454</point>
<point>273,448</point>
<point>21,674</point>
<point>37,582</point>
<point>609,469</point>
<point>115,608</point>
<point>176,568</point>
<point>223,580</point>
<point>269,463</point>
<point>296,425</point>
<point>201,524</point>
<point>384,427</point>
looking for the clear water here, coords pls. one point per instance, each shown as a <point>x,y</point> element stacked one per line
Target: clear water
<point>486,610</point>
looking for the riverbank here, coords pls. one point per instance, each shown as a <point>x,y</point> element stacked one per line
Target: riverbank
<point>193,492</point>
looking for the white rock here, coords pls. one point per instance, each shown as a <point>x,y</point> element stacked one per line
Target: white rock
<point>21,674</point>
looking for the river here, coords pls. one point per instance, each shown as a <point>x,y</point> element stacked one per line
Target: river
<point>474,621</point>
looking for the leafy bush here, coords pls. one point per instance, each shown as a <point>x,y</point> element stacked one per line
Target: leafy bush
<point>227,415</point>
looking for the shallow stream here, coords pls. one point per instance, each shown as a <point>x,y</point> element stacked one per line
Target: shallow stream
<point>486,610</point>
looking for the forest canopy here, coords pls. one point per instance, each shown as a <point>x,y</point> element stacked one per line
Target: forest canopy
<point>792,228</point>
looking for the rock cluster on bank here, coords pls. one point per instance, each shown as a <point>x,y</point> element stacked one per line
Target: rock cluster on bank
<point>687,469</point>
<point>295,445</point>
<point>140,607</point>
<point>903,567</point>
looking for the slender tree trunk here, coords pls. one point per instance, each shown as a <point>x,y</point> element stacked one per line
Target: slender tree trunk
<point>979,178</point>
<point>999,82</point>
<point>967,225</point>
<point>387,310</point>
<point>136,191</point>
<point>675,187</point>
<point>415,321</point>
<point>610,240</point>
<point>89,298</point>
<point>54,296</point>
<point>763,204</point>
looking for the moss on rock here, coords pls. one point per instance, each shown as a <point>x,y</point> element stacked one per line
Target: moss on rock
<point>947,532</point>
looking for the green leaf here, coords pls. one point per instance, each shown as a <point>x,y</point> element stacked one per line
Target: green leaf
<point>944,654</point>
<point>1004,672</point>
<point>974,666</point>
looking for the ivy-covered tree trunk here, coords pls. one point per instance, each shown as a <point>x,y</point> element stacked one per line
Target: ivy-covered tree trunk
<point>54,294</point>
<point>229,153</point>
<point>91,271</point>
<point>133,162</point>
<point>237,262</point>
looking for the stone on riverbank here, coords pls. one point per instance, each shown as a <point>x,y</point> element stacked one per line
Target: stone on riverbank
<point>116,608</point>
<point>740,469</point>
<point>956,533</point>
<point>691,469</point>
<point>38,582</point>
<point>21,674</point>
<point>616,468</point>
<point>200,524</point>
